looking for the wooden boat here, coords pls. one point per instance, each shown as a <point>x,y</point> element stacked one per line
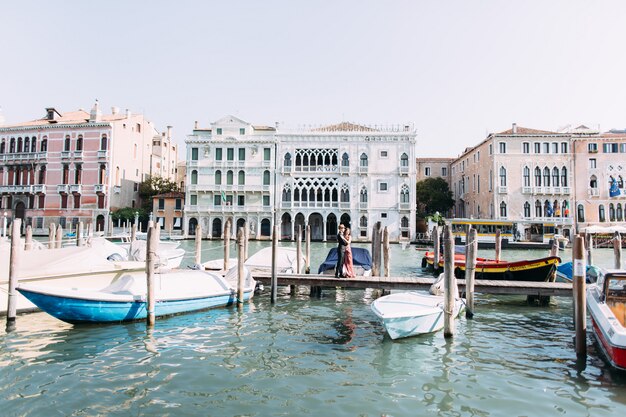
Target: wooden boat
<point>564,273</point>
<point>538,270</point>
<point>361,260</point>
<point>606,302</point>
<point>412,313</point>
<point>124,299</point>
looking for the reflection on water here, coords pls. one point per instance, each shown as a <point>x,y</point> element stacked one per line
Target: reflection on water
<point>308,356</point>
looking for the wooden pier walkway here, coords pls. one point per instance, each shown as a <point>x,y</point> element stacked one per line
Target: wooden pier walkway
<point>420,283</point>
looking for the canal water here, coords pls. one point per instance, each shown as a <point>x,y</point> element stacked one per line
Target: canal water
<point>306,356</point>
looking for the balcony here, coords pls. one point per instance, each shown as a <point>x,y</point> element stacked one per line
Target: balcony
<point>24,157</point>
<point>594,192</point>
<point>363,170</point>
<point>285,204</point>
<point>404,170</point>
<point>538,190</point>
<point>405,206</point>
<point>117,189</point>
<point>103,154</point>
<point>502,190</point>
<point>76,188</point>
<point>66,154</point>
<point>344,169</point>
<point>16,189</point>
<point>527,190</point>
<point>566,190</point>
<point>39,189</point>
<point>78,154</point>
<point>63,188</point>
<point>363,205</point>
<point>556,190</point>
<point>100,188</point>
<point>287,169</point>
<point>344,205</point>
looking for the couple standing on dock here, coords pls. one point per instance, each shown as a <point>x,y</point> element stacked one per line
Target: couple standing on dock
<point>344,268</point>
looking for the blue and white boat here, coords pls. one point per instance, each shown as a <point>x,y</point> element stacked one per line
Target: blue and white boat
<point>125,299</point>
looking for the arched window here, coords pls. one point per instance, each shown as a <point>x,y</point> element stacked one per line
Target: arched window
<point>2,146</point>
<point>103,143</point>
<point>345,160</point>
<point>611,212</point>
<point>67,145</point>
<point>404,222</point>
<point>242,178</point>
<point>44,144</point>
<point>42,175</point>
<point>581,213</point>
<point>363,222</point>
<point>563,177</point>
<point>218,177</point>
<point>194,177</point>
<point>19,145</point>
<point>404,160</point>
<point>503,176</point>
<point>26,144</point>
<point>287,193</point>
<point>593,182</point>
<point>526,177</point>
<point>503,209</point>
<point>363,195</point>
<point>287,159</point>
<point>344,196</point>
<point>363,161</point>
<point>546,177</point>
<point>229,177</point>
<point>538,211</point>
<point>404,194</point>
<point>601,213</point>
<point>620,213</point>
<point>79,144</point>
<point>266,178</point>
<point>537,177</point>
<point>33,145</point>
<point>527,209</point>
<point>555,177</point>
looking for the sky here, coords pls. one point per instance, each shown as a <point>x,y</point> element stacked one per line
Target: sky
<point>457,70</point>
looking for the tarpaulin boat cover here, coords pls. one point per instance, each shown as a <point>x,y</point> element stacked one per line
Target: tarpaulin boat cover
<point>360,257</point>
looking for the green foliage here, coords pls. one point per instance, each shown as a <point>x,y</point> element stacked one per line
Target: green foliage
<point>128,214</point>
<point>153,186</point>
<point>433,196</point>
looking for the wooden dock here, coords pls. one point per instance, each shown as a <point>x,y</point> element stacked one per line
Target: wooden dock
<point>561,289</point>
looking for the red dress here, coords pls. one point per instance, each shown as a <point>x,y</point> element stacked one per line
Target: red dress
<point>348,267</point>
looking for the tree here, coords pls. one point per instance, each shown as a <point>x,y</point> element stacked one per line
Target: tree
<point>433,195</point>
<point>153,186</point>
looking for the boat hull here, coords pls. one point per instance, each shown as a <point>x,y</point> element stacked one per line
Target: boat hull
<point>608,330</point>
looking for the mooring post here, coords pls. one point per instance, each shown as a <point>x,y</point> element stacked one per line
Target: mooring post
<point>498,244</point>
<point>448,283</point>
<point>198,258</point>
<point>377,247</point>
<point>246,239</point>
<point>436,249</point>
<point>292,288</point>
<point>28,244</point>
<point>617,250</point>
<point>133,232</point>
<point>589,246</point>
<point>307,251</point>
<point>274,284</point>
<point>226,245</point>
<point>52,230</point>
<point>79,234</point>
<point>470,272</point>
<point>14,258</point>
<point>241,235</point>
<point>580,302</point>
<point>59,237</point>
<point>554,250</point>
<point>386,251</point>
<point>151,254</point>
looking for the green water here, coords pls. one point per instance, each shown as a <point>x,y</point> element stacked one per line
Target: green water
<point>302,356</point>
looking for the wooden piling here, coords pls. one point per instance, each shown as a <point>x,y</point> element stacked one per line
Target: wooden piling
<point>589,246</point>
<point>226,245</point>
<point>307,251</point>
<point>133,232</point>
<point>617,250</point>
<point>198,258</point>
<point>29,238</point>
<point>386,251</point>
<point>240,267</point>
<point>59,237</point>
<point>436,249</point>
<point>448,283</point>
<point>79,234</point>
<point>498,244</point>
<point>554,249</point>
<point>274,285</point>
<point>580,302</point>
<point>470,271</point>
<point>376,249</point>
<point>292,288</point>
<point>151,255</point>
<point>246,239</point>
<point>14,258</point>
<point>52,230</point>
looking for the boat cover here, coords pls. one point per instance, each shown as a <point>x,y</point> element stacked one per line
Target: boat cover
<point>360,257</point>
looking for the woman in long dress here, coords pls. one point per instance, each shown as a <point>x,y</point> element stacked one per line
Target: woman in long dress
<point>348,267</point>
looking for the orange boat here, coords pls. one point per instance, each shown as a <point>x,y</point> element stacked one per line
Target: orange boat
<point>542,269</point>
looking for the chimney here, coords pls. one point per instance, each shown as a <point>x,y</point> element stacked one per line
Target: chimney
<point>95,114</point>
<point>128,114</point>
<point>50,113</point>
<point>115,110</point>
<point>514,129</point>
<point>169,132</point>
<point>195,125</point>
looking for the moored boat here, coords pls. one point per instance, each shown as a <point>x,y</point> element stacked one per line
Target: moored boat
<point>606,301</point>
<point>412,313</point>
<point>538,270</point>
<point>125,298</point>
<point>361,261</point>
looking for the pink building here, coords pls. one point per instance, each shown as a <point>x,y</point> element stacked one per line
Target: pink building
<point>73,166</point>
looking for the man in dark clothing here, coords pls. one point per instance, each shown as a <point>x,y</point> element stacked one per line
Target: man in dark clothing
<point>341,251</point>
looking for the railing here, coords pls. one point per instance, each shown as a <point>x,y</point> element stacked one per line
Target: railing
<point>363,169</point>
<point>594,192</point>
<point>78,154</point>
<point>363,205</point>
<point>538,190</point>
<point>527,190</point>
<point>404,170</point>
<point>344,205</point>
<point>103,154</point>
<point>502,189</point>
<point>556,190</point>
<point>39,189</point>
<point>566,190</point>
<point>66,154</point>
<point>100,188</point>
<point>344,169</point>
<point>76,188</point>
<point>287,169</point>
<point>405,206</point>
<point>63,188</point>
<point>27,189</point>
<point>315,204</point>
<point>23,157</point>
<point>315,168</point>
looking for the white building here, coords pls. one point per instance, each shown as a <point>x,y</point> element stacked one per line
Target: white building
<point>346,173</point>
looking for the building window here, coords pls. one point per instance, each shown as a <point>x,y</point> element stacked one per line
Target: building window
<point>194,154</point>
<point>100,201</point>
<point>620,213</point>
<point>230,154</point>
<point>267,153</point>
<point>384,154</point>
<point>563,177</point>
<point>242,178</point>
<point>103,143</point>
<point>78,174</point>
<point>229,177</point>
<point>502,147</point>
<point>266,201</point>
<point>592,148</point>
<point>161,204</point>
<point>427,171</point>
<point>444,171</point>
<point>194,177</point>
<point>218,154</point>
<point>193,200</point>
<point>242,130</point>
<point>219,131</point>
<point>546,147</point>
<point>611,212</point>
<point>241,200</point>
<point>601,213</point>
<point>217,199</point>
<point>42,175</point>
<point>179,204</point>
<point>490,149</point>
<point>527,209</point>
<point>79,143</point>
<point>538,208</point>
<point>66,174</point>
<point>66,147</point>
<point>502,176</point>
<point>242,154</point>
<point>218,177</point>
<point>546,177</point>
<point>345,160</point>
<point>526,177</point>
<point>363,161</point>
<point>383,215</point>
<point>555,147</point>
<point>76,201</point>
<point>564,147</point>
<point>593,182</point>
<point>555,177</point>
<point>382,187</point>
<point>64,201</point>
<point>503,209</point>
<point>592,163</point>
<point>526,147</point>
<point>266,178</point>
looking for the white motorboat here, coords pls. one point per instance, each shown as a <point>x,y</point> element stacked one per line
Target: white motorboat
<point>606,301</point>
<point>261,261</point>
<point>412,313</point>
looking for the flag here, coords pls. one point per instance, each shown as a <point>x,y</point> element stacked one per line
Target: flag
<point>223,196</point>
<point>614,190</point>
<point>549,210</point>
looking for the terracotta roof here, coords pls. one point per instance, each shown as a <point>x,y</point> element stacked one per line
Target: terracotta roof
<point>173,194</point>
<point>435,159</point>
<point>72,117</point>
<point>345,127</point>
<point>269,128</point>
<point>526,131</point>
